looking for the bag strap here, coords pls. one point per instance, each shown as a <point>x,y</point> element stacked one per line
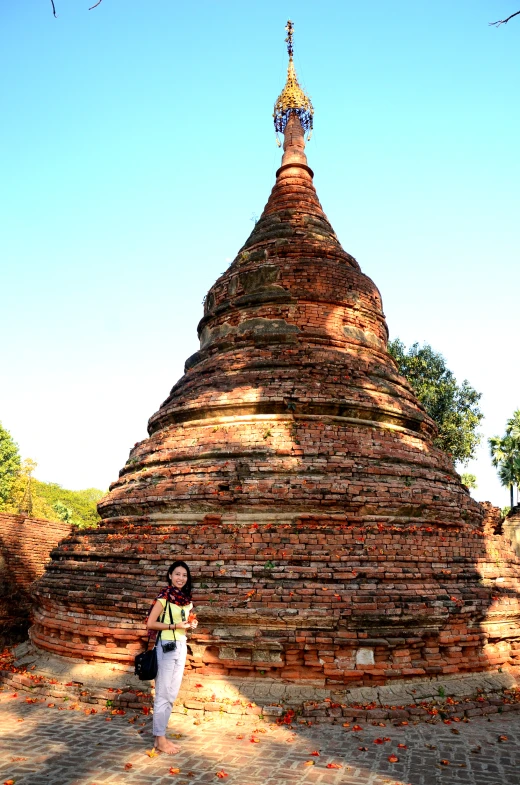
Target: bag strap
<point>161,619</point>
<point>170,616</point>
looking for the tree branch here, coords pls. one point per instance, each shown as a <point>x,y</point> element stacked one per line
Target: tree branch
<point>55,15</point>
<point>500,21</point>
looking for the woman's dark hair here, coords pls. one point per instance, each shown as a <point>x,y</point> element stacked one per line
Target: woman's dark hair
<point>187,586</point>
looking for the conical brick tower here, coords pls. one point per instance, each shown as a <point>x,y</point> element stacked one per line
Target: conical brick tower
<point>294,469</point>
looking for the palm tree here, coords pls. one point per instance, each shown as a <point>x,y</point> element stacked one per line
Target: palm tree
<point>505,454</point>
<point>513,426</point>
<point>509,473</point>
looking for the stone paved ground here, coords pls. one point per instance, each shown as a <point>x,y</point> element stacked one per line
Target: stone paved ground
<point>67,747</point>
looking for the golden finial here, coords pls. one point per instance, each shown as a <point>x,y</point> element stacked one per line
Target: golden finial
<point>292,98</point>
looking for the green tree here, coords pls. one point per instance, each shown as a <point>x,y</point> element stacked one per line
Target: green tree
<point>505,454</point>
<point>469,480</point>
<point>63,513</point>
<point>453,407</point>
<point>10,463</point>
<point>60,504</point>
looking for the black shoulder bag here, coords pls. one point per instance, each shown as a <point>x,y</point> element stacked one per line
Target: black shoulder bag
<point>145,664</point>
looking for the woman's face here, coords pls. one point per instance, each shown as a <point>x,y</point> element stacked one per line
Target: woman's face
<point>179,577</point>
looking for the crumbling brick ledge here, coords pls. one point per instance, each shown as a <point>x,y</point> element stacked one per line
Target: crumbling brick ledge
<point>115,690</point>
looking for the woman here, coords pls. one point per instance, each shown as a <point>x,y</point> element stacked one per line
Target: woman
<point>173,605</point>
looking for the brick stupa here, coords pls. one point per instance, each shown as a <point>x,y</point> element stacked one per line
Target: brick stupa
<point>293,467</point>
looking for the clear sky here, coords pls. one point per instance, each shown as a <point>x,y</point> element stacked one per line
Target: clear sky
<point>137,144</point>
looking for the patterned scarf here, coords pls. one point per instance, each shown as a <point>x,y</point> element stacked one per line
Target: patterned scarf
<point>175,596</point>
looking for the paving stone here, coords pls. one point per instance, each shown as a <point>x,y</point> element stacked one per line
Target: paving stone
<point>71,748</point>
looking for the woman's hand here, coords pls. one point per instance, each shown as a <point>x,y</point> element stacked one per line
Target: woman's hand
<point>182,625</point>
<point>194,623</point>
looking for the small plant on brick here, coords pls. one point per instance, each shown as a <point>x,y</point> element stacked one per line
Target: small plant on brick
<point>109,703</point>
<point>270,565</point>
<point>442,692</point>
<point>267,434</point>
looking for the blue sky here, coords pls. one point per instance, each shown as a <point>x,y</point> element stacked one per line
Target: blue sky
<point>138,143</point>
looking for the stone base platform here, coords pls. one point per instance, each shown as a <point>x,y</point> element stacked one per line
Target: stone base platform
<point>116,686</point>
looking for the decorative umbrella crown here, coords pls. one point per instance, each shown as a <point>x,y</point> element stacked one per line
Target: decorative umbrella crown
<point>292,98</point>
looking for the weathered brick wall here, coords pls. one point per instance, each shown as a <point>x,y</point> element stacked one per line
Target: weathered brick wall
<point>511,528</point>
<point>25,545</point>
<point>492,522</point>
<point>325,600</point>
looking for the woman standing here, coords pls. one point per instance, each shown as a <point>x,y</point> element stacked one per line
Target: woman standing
<point>173,604</point>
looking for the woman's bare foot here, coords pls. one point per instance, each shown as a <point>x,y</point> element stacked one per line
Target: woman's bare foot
<point>163,745</point>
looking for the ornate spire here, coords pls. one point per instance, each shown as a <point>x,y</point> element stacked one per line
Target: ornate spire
<point>292,99</point>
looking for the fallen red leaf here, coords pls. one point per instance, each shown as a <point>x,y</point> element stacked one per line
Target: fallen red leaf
<point>393,758</point>
<point>50,705</point>
<point>402,746</point>
<point>378,741</point>
<point>254,741</point>
<point>357,727</point>
<point>315,753</point>
<point>363,749</point>
<point>221,774</point>
<point>309,763</point>
<point>445,763</point>
<point>502,738</point>
<point>128,765</point>
<point>333,766</point>
<point>174,770</point>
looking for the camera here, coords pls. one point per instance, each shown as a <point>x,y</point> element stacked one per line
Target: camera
<point>170,646</point>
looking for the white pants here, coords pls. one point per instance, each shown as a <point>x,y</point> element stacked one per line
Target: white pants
<point>167,683</point>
